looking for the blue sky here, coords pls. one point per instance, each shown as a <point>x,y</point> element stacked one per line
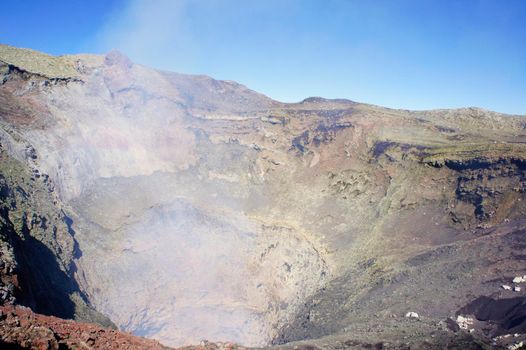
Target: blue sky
<point>403,54</point>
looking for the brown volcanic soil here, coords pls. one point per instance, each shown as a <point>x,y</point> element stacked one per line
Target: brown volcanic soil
<point>20,328</point>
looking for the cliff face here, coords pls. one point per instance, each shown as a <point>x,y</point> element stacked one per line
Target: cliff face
<point>186,208</point>
<point>38,248</point>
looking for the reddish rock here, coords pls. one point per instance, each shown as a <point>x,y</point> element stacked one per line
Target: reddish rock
<point>21,328</point>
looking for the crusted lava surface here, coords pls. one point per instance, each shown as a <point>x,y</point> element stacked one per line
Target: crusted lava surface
<point>20,328</point>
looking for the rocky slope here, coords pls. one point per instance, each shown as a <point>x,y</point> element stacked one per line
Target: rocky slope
<point>22,329</point>
<point>185,208</point>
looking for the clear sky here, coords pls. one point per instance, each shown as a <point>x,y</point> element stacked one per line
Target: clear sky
<point>415,54</point>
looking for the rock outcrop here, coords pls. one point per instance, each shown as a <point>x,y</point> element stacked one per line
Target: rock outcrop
<point>22,329</point>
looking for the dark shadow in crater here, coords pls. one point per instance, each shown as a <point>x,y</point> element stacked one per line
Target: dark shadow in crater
<point>43,285</point>
<point>507,315</point>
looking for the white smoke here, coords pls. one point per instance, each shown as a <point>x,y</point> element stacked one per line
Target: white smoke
<point>150,32</point>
